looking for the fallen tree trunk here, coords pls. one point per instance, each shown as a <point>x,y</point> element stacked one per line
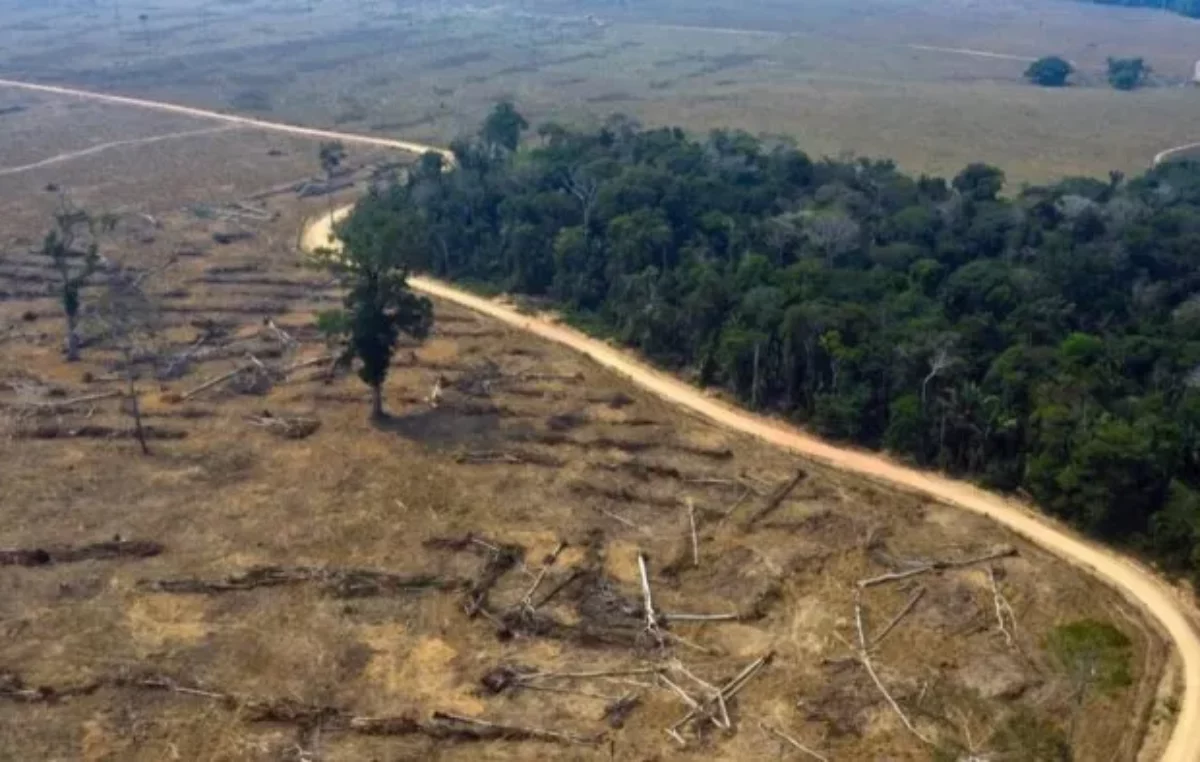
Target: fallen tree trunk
<point>93,552</point>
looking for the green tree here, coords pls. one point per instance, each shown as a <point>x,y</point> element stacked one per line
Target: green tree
<point>73,248</point>
<point>1127,73</point>
<point>379,247</point>
<point>979,182</point>
<point>503,127</point>
<point>1093,654</point>
<point>1050,71</point>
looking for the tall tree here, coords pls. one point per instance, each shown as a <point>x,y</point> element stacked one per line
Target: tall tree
<point>376,256</point>
<point>73,248</point>
<point>503,127</point>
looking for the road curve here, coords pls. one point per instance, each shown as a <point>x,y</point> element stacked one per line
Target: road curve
<point>1169,154</point>
<point>1137,583</point>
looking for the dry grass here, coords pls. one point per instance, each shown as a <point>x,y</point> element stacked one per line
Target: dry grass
<point>835,77</point>
<point>230,496</point>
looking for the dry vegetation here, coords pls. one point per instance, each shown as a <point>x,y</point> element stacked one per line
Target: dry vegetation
<point>282,580</point>
<point>837,76</point>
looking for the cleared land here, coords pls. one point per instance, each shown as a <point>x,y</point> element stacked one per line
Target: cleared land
<point>175,647</point>
<point>835,77</point>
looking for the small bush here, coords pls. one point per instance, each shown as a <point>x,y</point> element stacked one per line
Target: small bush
<point>1093,653</point>
<point>1051,71</point>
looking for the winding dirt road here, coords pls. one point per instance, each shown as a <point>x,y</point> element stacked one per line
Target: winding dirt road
<point>1137,583</point>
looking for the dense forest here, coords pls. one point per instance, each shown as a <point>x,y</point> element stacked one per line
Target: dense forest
<point>1046,340</point>
<point>1186,7</point>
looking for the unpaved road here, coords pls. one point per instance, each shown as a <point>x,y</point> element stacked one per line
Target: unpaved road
<point>1167,155</point>
<point>972,52</point>
<point>1137,583</point>
<point>101,147</point>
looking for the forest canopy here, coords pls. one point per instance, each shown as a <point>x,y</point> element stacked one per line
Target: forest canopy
<point>1185,7</point>
<point>1047,341</point>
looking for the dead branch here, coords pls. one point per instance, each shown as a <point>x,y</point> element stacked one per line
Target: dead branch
<point>912,602</point>
<point>592,674</point>
<point>64,554</point>
<point>713,691</point>
<point>514,732</point>
<point>622,519</point>
<point>285,427</point>
<point>794,743</point>
<point>60,404</point>
<point>550,377</point>
<point>284,337</point>
<point>864,658</point>
<point>1002,607</point>
<point>680,692</point>
<point>501,559</point>
<point>1003,551</point>
<point>213,382</point>
<point>647,601</point>
<point>699,617</point>
<point>574,575</point>
<point>617,712</point>
<point>307,363</point>
<point>780,495</point>
<point>737,504</point>
<point>513,457</point>
<point>676,638</point>
<point>527,599</point>
<point>338,583</point>
<point>691,508</point>
<point>725,693</point>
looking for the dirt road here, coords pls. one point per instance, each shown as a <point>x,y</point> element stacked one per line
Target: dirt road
<point>100,148</point>
<point>1140,585</point>
<point>972,52</point>
<point>1170,153</point>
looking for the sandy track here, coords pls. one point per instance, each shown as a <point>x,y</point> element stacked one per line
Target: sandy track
<point>972,52</point>
<point>1137,583</point>
<point>62,157</point>
<point>1169,154</point>
<point>172,108</point>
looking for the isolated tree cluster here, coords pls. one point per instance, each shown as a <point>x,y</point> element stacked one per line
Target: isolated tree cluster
<point>1055,71</point>
<point>1048,341</point>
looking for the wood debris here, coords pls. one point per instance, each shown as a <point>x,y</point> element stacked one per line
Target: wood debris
<point>1003,551</point>
<point>93,552</point>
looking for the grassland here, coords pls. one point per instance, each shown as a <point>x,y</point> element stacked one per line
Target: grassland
<point>836,77</point>
<point>530,446</point>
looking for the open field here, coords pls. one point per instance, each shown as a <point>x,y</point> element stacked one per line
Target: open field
<point>530,446</point>
<point>867,79</point>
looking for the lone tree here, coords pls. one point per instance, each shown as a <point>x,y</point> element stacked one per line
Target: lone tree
<point>503,127</point>
<point>130,322</point>
<point>379,247</point>
<point>1051,71</point>
<point>72,246</point>
<point>331,154</point>
<point>1127,73</point>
